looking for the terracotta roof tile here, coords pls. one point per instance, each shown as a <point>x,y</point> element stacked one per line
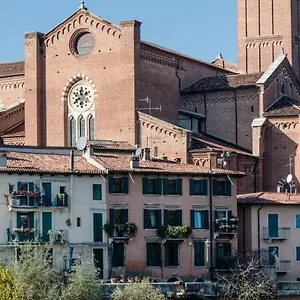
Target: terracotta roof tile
<point>223,82</point>
<point>113,145</point>
<point>120,162</point>
<point>47,163</point>
<point>269,198</point>
<point>283,106</point>
<point>12,69</point>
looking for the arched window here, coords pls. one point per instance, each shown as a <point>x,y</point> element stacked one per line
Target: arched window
<point>81,126</point>
<point>283,89</point>
<point>72,128</point>
<point>91,128</point>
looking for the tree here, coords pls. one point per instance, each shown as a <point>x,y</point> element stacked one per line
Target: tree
<point>247,280</point>
<point>7,288</point>
<point>138,290</point>
<point>82,283</point>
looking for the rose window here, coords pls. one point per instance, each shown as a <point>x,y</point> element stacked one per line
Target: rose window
<point>81,97</point>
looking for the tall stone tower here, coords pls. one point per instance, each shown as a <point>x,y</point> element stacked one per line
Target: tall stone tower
<point>265,28</point>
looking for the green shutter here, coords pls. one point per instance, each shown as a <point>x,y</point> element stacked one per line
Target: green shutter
<point>157,253</point>
<point>158,217</point>
<point>216,215</point>
<point>204,182</point>
<point>227,249</point>
<point>18,219</point>
<point>229,214</point>
<point>111,216</point>
<point>124,216</point>
<point>125,185</point>
<point>97,222</point>
<point>19,185</point>
<point>166,217</point>
<point>228,188</point>
<point>205,219</point>
<point>298,253</point>
<point>146,216</point>
<point>215,187</point>
<point>145,185</point>
<point>199,253</point>
<point>192,218</point>
<point>167,254</point>
<point>110,184</point>
<point>192,186</point>
<point>31,187</point>
<point>165,183</point>
<point>179,186</point>
<point>158,186</point>
<point>178,218</point>
<point>30,220</point>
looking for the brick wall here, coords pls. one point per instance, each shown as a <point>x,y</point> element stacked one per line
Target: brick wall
<point>11,90</point>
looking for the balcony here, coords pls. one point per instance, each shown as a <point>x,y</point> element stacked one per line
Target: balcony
<point>225,229</point>
<point>280,233</point>
<point>22,199</point>
<point>56,200</point>
<point>283,266</point>
<point>59,236</point>
<point>225,263</point>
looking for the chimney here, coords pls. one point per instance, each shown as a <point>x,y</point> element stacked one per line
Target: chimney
<point>72,161</point>
<point>3,160</point>
<point>134,162</point>
<point>146,153</point>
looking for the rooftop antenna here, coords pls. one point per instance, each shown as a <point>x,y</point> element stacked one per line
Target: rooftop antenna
<point>289,180</point>
<point>150,108</point>
<point>81,143</point>
<point>138,152</point>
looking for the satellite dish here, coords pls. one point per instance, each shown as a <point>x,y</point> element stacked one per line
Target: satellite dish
<point>138,152</point>
<point>289,178</point>
<point>81,143</point>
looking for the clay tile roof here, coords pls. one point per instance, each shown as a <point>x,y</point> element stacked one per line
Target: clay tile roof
<point>269,198</point>
<point>12,69</point>
<point>120,162</point>
<point>283,106</point>
<point>113,145</point>
<point>223,82</point>
<point>47,163</point>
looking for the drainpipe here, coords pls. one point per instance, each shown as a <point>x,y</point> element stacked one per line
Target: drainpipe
<point>211,268</point>
<point>179,79</point>
<point>258,231</point>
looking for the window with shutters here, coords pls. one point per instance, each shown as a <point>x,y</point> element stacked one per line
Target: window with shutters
<point>72,133</point>
<point>173,217</point>
<point>118,257</point>
<point>172,186</point>
<point>298,253</point>
<point>171,254</point>
<point>153,254</point>
<point>118,216</point>
<point>97,191</point>
<point>151,186</point>
<point>199,253</point>
<point>297,221</point>
<point>198,187</point>
<point>26,195</point>
<point>199,219</point>
<point>98,227</point>
<point>118,185</point>
<point>91,128</point>
<point>152,218</point>
<point>221,187</point>
<point>81,126</point>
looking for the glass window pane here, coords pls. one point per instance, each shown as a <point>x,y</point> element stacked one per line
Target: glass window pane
<point>91,128</point>
<point>97,192</point>
<point>298,221</point>
<point>81,126</point>
<point>198,219</point>
<point>72,135</point>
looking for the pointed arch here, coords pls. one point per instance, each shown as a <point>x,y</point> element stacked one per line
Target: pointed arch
<point>91,127</point>
<point>81,126</point>
<point>72,131</point>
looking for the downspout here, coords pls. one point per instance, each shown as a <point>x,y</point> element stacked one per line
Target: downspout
<point>258,231</point>
<point>176,74</point>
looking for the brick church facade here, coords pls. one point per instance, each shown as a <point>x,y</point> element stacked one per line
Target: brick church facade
<point>89,77</point>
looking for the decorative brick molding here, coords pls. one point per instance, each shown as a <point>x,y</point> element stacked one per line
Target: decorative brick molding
<point>160,60</point>
<point>286,125</point>
<point>12,85</point>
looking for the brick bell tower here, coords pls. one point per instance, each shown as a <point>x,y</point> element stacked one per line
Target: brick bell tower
<point>266,28</point>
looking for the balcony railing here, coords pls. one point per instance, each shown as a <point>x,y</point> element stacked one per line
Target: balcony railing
<point>280,233</point>
<point>18,235</point>
<point>283,266</point>
<point>56,200</point>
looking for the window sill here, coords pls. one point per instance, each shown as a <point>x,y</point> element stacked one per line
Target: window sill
<point>172,195</point>
<point>221,196</point>
<point>153,267</point>
<point>172,267</point>
<point>152,229</point>
<point>200,229</point>
<point>152,195</point>
<point>199,195</point>
<point>201,267</point>
<point>116,194</point>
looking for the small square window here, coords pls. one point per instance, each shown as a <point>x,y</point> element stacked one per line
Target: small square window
<point>172,186</point>
<point>118,185</point>
<point>221,187</point>
<point>78,222</point>
<point>198,186</point>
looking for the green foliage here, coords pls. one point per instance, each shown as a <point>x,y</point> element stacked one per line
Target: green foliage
<point>175,232</point>
<point>82,284</point>
<point>121,230</point>
<point>139,290</point>
<point>7,287</point>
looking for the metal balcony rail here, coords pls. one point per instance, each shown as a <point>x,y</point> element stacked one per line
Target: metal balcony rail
<point>279,233</point>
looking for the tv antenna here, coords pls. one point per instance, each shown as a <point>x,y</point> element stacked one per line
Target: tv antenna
<point>150,108</point>
<point>138,152</point>
<point>81,143</point>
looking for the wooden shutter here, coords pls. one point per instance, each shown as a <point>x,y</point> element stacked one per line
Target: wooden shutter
<point>158,186</point>
<point>19,185</point>
<point>192,216</point>
<point>228,188</point>
<point>145,185</point>
<point>146,216</point>
<point>178,218</point>
<point>204,183</point>
<point>31,186</point>
<point>158,217</point>
<point>205,219</point>
<point>166,217</point>
<point>229,214</point>
<point>165,183</point>
<point>179,186</point>
<point>227,249</point>
<point>125,185</point>
<point>216,215</point>
<point>192,186</point>
<point>47,193</point>
<point>18,220</point>
<point>97,222</point>
<point>110,185</point>
<point>298,254</point>
<point>124,216</point>
<point>30,220</point>
<point>199,253</point>
<point>118,255</point>
<point>215,187</point>
<point>111,216</point>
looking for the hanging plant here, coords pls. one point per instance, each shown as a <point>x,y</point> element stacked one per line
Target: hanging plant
<point>121,230</point>
<point>174,232</point>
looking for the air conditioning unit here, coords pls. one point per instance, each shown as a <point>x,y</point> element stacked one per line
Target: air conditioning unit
<point>15,202</point>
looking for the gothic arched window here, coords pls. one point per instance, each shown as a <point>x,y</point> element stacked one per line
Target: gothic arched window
<point>72,128</point>
<point>81,126</point>
<point>91,128</point>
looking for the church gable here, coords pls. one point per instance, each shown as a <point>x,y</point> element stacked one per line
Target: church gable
<point>283,106</point>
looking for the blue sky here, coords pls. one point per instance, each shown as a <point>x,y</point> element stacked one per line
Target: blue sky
<point>198,28</point>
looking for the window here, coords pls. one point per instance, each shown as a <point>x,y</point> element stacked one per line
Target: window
<point>118,258</point>
<point>199,253</point>
<point>172,186</point>
<point>198,186</point>
<point>173,217</point>
<point>155,151</point>
<point>118,185</point>
<point>97,192</point>
<point>171,254</point>
<point>297,221</point>
<point>221,187</point>
<point>27,199</point>
<point>152,218</point>
<point>118,216</point>
<point>199,219</point>
<point>223,214</point>
<point>26,186</point>
<point>72,128</point>
<point>153,254</point>
<point>78,222</point>
<point>298,253</point>
<point>98,227</point>
<point>81,126</point>
<point>62,189</point>
<point>91,128</point>
<point>151,186</point>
